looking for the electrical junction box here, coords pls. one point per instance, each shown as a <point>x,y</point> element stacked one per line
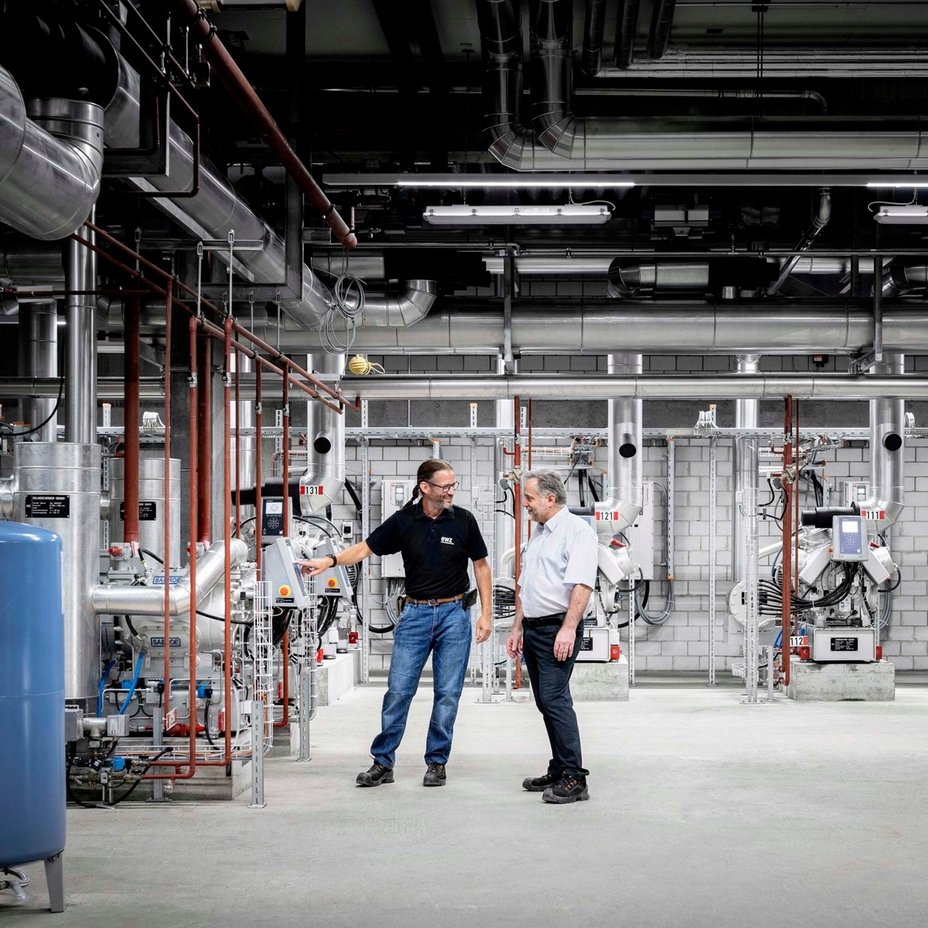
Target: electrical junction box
<point>595,644</point>
<point>641,534</point>
<point>849,538</point>
<point>843,644</point>
<point>394,495</point>
<point>855,492</point>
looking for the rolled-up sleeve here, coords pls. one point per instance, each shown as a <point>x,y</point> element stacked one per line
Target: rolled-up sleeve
<point>583,559</point>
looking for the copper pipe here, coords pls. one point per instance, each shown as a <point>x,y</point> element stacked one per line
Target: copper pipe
<point>167,497</point>
<point>241,90</point>
<point>285,651</point>
<point>205,443</point>
<point>131,376</point>
<point>257,342</point>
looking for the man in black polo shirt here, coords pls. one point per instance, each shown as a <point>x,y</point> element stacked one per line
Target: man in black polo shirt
<point>436,539</point>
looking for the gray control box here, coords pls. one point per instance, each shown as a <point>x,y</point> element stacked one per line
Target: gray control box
<point>849,538</point>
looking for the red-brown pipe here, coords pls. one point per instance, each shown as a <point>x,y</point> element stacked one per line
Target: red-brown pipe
<point>166,417</point>
<point>285,650</point>
<point>250,104</point>
<point>205,443</point>
<point>131,376</point>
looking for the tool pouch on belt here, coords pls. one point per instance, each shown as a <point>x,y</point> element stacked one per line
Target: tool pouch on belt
<point>470,597</point>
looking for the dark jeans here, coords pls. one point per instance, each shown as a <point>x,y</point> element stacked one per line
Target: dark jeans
<point>551,688</point>
<point>445,632</point>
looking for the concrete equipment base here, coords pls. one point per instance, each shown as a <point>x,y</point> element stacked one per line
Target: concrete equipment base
<point>337,677</point>
<point>600,682</point>
<point>810,682</point>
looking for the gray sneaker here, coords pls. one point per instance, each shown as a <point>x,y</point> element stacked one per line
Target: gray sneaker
<point>435,775</point>
<point>375,776</point>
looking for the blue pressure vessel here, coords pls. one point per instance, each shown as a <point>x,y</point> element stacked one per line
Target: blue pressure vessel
<point>32,772</point>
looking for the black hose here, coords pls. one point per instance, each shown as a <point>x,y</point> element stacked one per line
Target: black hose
<point>589,478</point>
<point>152,555</point>
<point>148,766</point>
<point>349,486</point>
<point>209,737</point>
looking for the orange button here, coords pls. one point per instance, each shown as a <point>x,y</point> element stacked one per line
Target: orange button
<point>284,591</point>
<point>332,583</point>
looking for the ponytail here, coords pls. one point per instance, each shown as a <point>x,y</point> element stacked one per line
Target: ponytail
<point>427,470</point>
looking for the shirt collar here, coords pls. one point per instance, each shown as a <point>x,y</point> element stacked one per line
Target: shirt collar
<point>420,513</point>
<point>556,520</point>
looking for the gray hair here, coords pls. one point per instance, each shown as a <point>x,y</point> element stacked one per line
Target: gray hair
<point>549,484</point>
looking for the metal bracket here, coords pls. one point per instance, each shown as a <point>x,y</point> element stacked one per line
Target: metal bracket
<point>151,157</point>
<point>863,363</point>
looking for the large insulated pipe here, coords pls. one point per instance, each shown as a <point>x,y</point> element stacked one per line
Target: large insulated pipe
<point>819,221</point>
<point>411,305</point>
<point>661,22</point>
<point>38,357</point>
<point>131,438</point>
<point>113,599</point>
<point>746,417</point>
<point>48,185</point>
<point>624,441</point>
<point>887,446</point>
<point>325,430</point>
<point>593,28</point>
<point>678,327</point>
<point>626,25</point>
<point>57,487</point>
<point>80,275</point>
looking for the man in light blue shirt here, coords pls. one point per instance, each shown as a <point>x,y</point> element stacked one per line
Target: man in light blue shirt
<point>558,575</point>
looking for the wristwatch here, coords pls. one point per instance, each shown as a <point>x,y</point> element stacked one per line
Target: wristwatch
<point>334,559</point>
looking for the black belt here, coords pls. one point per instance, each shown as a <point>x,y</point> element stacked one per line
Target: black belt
<point>434,602</point>
<point>543,620</point>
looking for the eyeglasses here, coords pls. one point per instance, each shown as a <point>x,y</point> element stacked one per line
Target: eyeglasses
<point>444,487</point>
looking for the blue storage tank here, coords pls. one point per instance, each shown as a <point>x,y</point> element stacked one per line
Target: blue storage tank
<point>32,771</point>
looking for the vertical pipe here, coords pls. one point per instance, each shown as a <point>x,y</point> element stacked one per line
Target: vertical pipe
<point>168,300</point>
<point>285,647</point>
<point>787,557</point>
<point>625,29</point>
<point>259,425</point>
<point>517,506</point>
<point>243,412</point>
<point>746,417</point>
<point>625,436</point>
<point>38,357</point>
<point>80,274</point>
<point>131,429</point>
<point>749,458</point>
<point>593,28</point>
<point>227,544</point>
<point>205,439</point>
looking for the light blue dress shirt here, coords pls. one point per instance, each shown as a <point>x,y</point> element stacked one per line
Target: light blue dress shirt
<point>560,554</point>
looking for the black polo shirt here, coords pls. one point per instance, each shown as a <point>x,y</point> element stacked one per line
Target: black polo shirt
<point>435,551</point>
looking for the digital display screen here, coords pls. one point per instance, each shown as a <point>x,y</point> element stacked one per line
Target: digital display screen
<point>850,525</point>
<point>274,507</point>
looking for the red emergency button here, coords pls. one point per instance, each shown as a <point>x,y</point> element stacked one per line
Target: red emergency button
<point>332,583</point>
<point>284,591</point>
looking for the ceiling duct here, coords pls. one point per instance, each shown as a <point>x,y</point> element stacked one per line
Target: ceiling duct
<point>49,177</point>
<point>660,143</point>
<point>819,221</point>
<point>724,277</point>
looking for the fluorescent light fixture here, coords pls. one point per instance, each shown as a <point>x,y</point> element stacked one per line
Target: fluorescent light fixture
<point>528,180</point>
<point>910,185</point>
<point>569,214</point>
<point>908,215</point>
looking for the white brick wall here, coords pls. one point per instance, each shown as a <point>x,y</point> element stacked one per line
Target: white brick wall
<point>682,644</point>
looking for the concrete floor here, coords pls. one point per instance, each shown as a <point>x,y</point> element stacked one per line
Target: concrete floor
<point>704,812</point>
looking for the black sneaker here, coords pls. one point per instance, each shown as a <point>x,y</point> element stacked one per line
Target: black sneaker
<point>567,789</point>
<point>435,775</point>
<point>375,776</point>
<point>540,784</point>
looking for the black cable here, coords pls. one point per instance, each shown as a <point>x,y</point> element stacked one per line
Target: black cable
<point>580,483</point>
<point>589,479</point>
<point>895,586</point>
<point>152,554</point>
<point>71,795</point>
<point>51,415</point>
<point>134,786</point>
<point>209,737</point>
<point>219,618</point>
<point>349,486</point>
<point>504,512</point>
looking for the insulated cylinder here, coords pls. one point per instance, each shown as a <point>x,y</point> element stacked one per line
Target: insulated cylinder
<point>151,505</point>
<point>57,487</point>
<point>32,788</point>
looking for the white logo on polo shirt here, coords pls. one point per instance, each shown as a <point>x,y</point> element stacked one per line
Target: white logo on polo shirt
<point>445,540</point>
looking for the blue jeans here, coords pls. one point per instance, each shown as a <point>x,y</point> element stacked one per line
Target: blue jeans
<point>445,632</point>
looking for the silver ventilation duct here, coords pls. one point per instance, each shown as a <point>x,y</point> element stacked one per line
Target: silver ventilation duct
<point>746,417</point>
<point>325,432</point>
<point>593,28</point>
<point>216,210</point>
<point>665,143</point>
<point>677,327</point>
<point>625,28</point>
<point>624,487</point>
<point>887,448</point>
<point>404,309</point>
<point>48,184</point>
